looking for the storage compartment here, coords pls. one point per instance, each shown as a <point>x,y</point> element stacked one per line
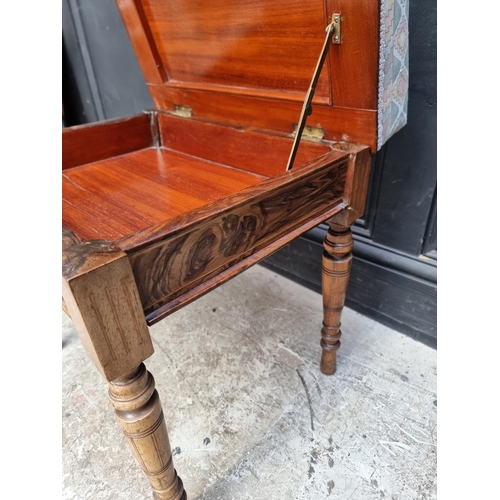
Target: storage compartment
<point>193,164</point>
<point>194,199</point>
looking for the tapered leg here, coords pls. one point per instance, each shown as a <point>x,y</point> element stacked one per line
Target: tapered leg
<point>337,260</point>
<point>138,410</point>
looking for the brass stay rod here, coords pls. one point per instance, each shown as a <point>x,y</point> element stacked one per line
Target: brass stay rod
<point>307,106</point>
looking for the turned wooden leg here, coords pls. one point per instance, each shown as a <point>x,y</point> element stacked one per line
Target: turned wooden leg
<point>138,409</point>
<point>337,260</point>
<point>101,296</point>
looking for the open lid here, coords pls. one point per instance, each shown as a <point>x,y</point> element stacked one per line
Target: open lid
<point>249,63</point>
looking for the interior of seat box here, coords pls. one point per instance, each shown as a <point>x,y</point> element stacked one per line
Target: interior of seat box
<point>196,163</point>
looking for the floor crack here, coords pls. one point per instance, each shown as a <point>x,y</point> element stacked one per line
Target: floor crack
<point>311,412</point>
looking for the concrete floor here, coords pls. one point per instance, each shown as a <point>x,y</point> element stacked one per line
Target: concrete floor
<point>249,414</point>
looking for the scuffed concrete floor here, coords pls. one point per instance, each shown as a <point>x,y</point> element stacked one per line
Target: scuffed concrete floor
<point>249,414</point>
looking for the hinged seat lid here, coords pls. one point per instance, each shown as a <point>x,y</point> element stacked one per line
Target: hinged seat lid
<point>249,63</point>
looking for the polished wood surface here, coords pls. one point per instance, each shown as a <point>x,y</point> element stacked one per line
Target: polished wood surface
<point>194,247</point>
<point>355,64</point>
<point>338,124</point>
<point>97,141</point>
<point>259,152</point>
<point>357,182</point>
<point>200,223</point>
<point>142,39</point>
<point>257,48</point>
<point>233,270</point>
<point>250,45</point>
<point>250,64</point>
<point>114,198</point>
<point>337,261</point>
<point>138,410</point>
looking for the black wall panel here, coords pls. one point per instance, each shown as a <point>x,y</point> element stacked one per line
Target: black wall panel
<point>101,76</point>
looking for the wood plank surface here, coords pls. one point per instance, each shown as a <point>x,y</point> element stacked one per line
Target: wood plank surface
<point>97,141</point>
<point>354,65</point>
<point>250,65</point>
<point>339,124</point>
<point>114,198</point>
<point>264,154</point>
<point>258,48</point>
<point>249,45</point>
<point>133,16</point>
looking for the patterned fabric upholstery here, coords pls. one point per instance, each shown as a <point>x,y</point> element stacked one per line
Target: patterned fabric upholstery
<point>393,68</point>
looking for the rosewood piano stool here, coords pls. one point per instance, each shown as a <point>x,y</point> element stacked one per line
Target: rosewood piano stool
<point>162,207</point>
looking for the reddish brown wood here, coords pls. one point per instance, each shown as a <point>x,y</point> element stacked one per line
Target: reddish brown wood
<point>117,197</point>
<point>261,153</point>
<point>358,178</point>
<point>355,64</point>
<point>252,46</point>
<point>161,209</point>
<point>337,260</point>
<point>237,268</point>
<point>157,233</point>
<point>138,410</point>
<point>258,48</point>
<point>250,64</point>
<point>339,124</point>
<point>194,247</point>
<point>149,59</point>
<point>97,141</point>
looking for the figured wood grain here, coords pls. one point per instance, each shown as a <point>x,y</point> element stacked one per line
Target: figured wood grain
<point>258,152</point>
<point>245,45</point>
<point>259,48</point>
<point>212,200</point>
<point>250,64</point>
<point>237,268</point>
<point>93,142</point>
<point>114,198</point>
<point>134,18</point>
<point>80,257</point>
<point>100,293</point>
<point>139,413</point>
<point>339,124</point>
<point>193,248</point>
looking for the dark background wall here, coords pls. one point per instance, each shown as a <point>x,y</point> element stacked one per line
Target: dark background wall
<point>394,272</point>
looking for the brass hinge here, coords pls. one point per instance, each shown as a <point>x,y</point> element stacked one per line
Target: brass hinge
<point>184,111</point>
<point>314,134</point>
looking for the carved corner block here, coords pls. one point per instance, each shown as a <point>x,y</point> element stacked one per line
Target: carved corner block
<point>100,295</point>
